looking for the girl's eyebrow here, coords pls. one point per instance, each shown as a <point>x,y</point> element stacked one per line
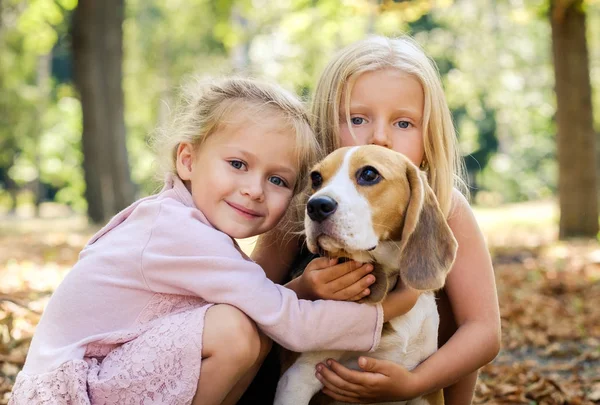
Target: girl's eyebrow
<point>399,110</point>
<point>408,111</point>
<point>356,105</point>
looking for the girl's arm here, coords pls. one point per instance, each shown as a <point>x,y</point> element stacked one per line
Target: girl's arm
<point>471,290</point>
<point>400,300</point>
<point>204,262</point>
<point>274,252</point>
<point>324,279</point>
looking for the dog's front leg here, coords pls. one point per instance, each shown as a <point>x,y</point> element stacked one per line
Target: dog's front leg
<point>298,384</point>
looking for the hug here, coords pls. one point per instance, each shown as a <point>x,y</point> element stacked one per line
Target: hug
<point>400,304</point>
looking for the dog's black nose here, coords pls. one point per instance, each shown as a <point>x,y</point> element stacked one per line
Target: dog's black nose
<point>319,208</point>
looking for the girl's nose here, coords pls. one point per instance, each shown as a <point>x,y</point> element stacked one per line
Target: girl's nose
<point>254,190</point>
<point>382,137</point>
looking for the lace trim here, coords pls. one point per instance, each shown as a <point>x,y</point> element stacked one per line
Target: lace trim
<point>66,385</point>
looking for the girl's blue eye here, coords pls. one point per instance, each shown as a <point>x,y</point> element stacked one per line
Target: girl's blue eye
<point>278,181</point>
<point>237,164</point>
<point>404,124</point>
<point>357,120</point>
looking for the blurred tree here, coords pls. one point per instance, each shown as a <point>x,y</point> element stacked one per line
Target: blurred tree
<point>98,56</point>
<point>24,82</point>
<point>165,44</point>
<point>43,90</point>
<point>474,119</point>
<point>493,56</point>
<point>578,197</point>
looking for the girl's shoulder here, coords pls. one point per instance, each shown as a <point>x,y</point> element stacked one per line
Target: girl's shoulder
<point>179,220</point>
<point>461,218</point>
<point>460,204</point>
<point>184,230</point>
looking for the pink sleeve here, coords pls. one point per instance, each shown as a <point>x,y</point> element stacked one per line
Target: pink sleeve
<point>185,256</point>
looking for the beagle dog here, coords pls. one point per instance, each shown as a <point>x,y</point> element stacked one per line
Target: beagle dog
<point>371,204</point>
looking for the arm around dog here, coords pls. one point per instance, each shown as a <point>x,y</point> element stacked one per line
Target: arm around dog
<point>471,290</point>
<point>274,252</point>
<point>186,256</point>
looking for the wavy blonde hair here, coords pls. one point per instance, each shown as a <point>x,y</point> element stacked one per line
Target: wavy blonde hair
<point>208,105</point>
<point>446,167</point>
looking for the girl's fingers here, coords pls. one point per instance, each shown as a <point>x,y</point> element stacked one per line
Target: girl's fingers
<point>341,398</point>
<point>321,263</point>
<point>360,278</point>
<point>351,377</point>
<point>353,286</point>
<point>333,382</point>
<point>335,272</point>
<point>358,296</point>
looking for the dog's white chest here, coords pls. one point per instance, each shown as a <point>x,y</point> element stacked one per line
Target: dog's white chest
<point>415,334</point>
<point>413,339</point>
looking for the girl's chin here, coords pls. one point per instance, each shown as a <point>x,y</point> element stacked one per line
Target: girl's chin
<point>238,231</point>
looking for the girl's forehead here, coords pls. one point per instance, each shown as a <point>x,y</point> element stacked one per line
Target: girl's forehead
<point>386,88</point>
<point>382,81</point>
<point>259,129</point>
<point>245,112</point>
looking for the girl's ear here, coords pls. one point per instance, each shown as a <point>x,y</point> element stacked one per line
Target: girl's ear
<point>428,245</point>
<point>185,158</point>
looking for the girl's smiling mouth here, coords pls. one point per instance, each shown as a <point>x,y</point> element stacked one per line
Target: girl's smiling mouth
<point>245,212</point>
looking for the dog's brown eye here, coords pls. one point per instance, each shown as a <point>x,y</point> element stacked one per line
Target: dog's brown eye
<point>367,176</point>
<point>316,179</point>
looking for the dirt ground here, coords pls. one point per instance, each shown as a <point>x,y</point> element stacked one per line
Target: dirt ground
<point>549,301</point>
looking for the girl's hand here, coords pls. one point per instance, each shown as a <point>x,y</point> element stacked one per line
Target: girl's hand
<point>380,381</point>
<point>324,279</point>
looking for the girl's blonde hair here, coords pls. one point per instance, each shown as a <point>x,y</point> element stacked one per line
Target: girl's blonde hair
<point>208,105</point>
<point>446,167</point>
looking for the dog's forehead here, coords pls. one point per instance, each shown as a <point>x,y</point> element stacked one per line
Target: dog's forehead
<point>329,166</point>
<point>388,162</point>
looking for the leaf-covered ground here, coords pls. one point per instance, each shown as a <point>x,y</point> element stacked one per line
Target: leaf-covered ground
<point>549,300</point>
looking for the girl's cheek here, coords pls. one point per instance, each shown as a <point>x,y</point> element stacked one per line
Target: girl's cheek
<point>346,138</point>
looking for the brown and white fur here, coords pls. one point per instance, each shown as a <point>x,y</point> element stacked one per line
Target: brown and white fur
<point>385,213</point>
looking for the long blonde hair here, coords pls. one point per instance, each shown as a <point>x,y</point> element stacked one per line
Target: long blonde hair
<point>208,104</point>
<point>446,167</point>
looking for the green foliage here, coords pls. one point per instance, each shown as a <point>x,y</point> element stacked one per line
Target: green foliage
<point>164,43</point>
<point>40,124</point>
<point>502,68</point>
<point>494,58</point>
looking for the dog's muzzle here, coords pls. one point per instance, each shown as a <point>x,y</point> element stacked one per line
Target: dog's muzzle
<point>320,208</point>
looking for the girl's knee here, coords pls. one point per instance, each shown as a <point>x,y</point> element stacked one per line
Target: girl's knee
<point>236,336</point>
<point>266,344</point>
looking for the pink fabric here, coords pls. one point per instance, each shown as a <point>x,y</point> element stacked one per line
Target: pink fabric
<point>158,363</point>
<point>125,326</point>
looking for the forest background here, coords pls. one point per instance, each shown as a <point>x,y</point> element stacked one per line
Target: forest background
<point>84,84</point>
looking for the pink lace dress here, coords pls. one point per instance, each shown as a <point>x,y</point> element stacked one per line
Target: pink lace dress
<point>125,325</point>
<point>158,362</point>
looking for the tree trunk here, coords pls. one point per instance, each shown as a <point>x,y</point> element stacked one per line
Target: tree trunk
<point>98,56</point>
<point>576,139</point>
<point>43,84</point>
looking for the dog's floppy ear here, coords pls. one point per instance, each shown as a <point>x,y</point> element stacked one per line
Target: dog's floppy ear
<point>428,245</point>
